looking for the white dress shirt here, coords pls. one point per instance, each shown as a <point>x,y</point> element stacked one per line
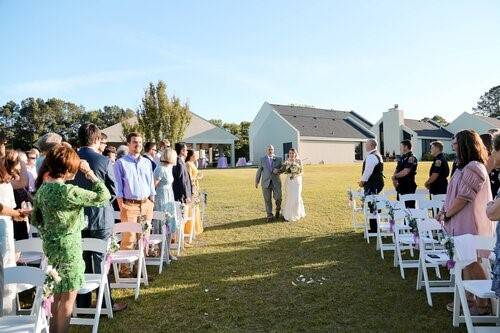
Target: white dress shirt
<point>371,162</point>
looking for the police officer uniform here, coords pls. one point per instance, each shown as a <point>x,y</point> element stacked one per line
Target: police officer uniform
<point>407,184</point>
<point>439,166</point>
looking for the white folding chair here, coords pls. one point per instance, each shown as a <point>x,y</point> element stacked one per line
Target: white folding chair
<point>180,221</point>
<point>417,197</point>
<point>439,197</point>
<point>384,228</point>
<point>93,282</point>
<point>432,205</point>
<point>405,239</point>
<point>356,209</point>
<point>380,201</point>
<point>432,255</point>
<point>129,257</point>
<point>36,321</point>
<point>466,247</point>
<point>31,254</point>
<point>161,239</point>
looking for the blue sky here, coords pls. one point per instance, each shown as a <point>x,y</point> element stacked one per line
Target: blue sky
<point>228,57</point>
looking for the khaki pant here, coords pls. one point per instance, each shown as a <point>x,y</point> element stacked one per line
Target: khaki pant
<point>129,213</point>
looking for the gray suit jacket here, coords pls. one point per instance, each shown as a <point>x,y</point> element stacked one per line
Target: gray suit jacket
<point>266,176</point>
<point>99,217</point>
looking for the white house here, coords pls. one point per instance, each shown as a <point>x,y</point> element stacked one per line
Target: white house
<point>392,128</point>
<point>320,135</point>
<point>200,134</point>
<point>468,120</point>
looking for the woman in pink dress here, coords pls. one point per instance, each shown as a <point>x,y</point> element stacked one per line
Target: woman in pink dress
<point>465,207</point>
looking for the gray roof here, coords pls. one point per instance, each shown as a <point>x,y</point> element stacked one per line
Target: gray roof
<point>494,122</point>
<point>427,128</point>
<point>315,122</point>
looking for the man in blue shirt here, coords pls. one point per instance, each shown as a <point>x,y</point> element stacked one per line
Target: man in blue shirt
<point>135,190</point>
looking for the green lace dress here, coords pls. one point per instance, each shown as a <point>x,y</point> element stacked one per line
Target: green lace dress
<point>58,214</point>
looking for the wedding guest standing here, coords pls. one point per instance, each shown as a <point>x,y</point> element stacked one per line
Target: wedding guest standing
<point>439,171</point>
<point>195,176</point>
<point>134,191</point>
<point>490,164</point>
<point>150,153</point>
<point>31,168</point>
<point>110,152</point>
<point>45,144</point>
<point>464,211</point>
<point>103,144</point>
<point>493,213</point>
<point>164,199</point>
<point>164,145</point>
<point>58,214</point>
<point>9,169</point>
<point>100,219</point>
<point>372,179</point>
<point>406,169</point>
<point>182,181</point>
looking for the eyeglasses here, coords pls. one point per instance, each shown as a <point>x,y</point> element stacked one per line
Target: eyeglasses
<point>31,158</point>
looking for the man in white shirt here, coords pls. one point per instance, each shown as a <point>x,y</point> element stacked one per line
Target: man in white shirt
<point>372,179</point>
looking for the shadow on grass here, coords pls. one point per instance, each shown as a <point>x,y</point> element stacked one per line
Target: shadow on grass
<point>258,288</point>
<point>236,225</point>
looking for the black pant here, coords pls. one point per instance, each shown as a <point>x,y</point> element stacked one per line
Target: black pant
<point>85,300</point>
<point>407,189</point>
<point>369,191</point>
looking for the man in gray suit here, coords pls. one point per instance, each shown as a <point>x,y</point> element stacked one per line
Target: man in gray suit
<point>268,174</point>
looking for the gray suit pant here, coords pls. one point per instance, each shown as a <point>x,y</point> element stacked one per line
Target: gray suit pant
<point>269,192</point>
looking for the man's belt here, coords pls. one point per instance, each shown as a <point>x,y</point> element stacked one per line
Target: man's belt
<point>135,201</point>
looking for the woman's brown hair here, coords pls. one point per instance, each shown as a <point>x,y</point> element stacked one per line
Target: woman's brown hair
<point>57,163</point>
<point>9,165</point>
<point>470,148</point>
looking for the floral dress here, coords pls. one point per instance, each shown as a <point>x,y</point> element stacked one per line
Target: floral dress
<point>58,214</point>
<point>164,199</point>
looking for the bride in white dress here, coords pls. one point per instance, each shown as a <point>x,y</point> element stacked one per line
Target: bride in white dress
<point>294,205</point>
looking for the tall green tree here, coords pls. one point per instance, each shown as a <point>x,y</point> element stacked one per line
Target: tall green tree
<point>160,116</point>
<point>489,104</point>
<point>440,120</point>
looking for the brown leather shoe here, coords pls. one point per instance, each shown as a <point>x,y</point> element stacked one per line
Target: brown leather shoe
<point>117,307</point>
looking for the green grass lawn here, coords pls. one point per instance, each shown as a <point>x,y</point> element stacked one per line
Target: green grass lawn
<point>239,276</point>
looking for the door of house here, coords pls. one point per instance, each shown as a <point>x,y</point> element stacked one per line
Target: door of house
<point>286,148</point>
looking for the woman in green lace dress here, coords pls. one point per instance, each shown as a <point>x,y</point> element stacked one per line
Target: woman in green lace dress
<point>58,214</point>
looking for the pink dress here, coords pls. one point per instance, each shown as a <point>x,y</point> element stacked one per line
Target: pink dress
<point>471,184</point>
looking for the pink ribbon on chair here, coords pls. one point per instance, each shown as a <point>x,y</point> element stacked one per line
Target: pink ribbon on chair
<point>47,306</point>
<point>145,243</point>
<point>391,225</point>
<point>416,240</point>
<point>450,264</point>
<point>109,259</point>
<point>164,229</point>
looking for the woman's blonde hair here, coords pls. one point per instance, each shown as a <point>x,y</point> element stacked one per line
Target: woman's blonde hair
<point>169,156</point>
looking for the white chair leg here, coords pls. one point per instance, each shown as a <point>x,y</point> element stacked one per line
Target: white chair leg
<point>456,307</point>
<point>138,283</point>
<point>427,285</point>
<point>162,254</point>
<point>419,275</point>
<point>98,307</point>
<point>438,272</point>
<point>107,299</point>
<point>145,272</point>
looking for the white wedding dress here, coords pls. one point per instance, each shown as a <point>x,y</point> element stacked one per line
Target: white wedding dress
<point>294,205</point>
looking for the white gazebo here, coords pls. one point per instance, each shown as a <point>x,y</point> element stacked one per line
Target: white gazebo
<point>200,135</point>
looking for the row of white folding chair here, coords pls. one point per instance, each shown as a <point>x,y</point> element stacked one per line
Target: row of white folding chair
<point>440,197</point>
<point>432,255</point>
<point>36,321</point>
<point>92,281</point>
<point>466,247</point>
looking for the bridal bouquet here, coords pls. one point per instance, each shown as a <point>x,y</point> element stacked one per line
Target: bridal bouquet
<point>292,168</point>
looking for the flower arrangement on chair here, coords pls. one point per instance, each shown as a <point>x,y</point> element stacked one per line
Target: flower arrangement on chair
<point>390,212</point>
<point>449,245</point>
<point>412,223</point>
<point>52,278</point>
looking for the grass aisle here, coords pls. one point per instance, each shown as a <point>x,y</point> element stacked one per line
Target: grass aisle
<point>239,276</point>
